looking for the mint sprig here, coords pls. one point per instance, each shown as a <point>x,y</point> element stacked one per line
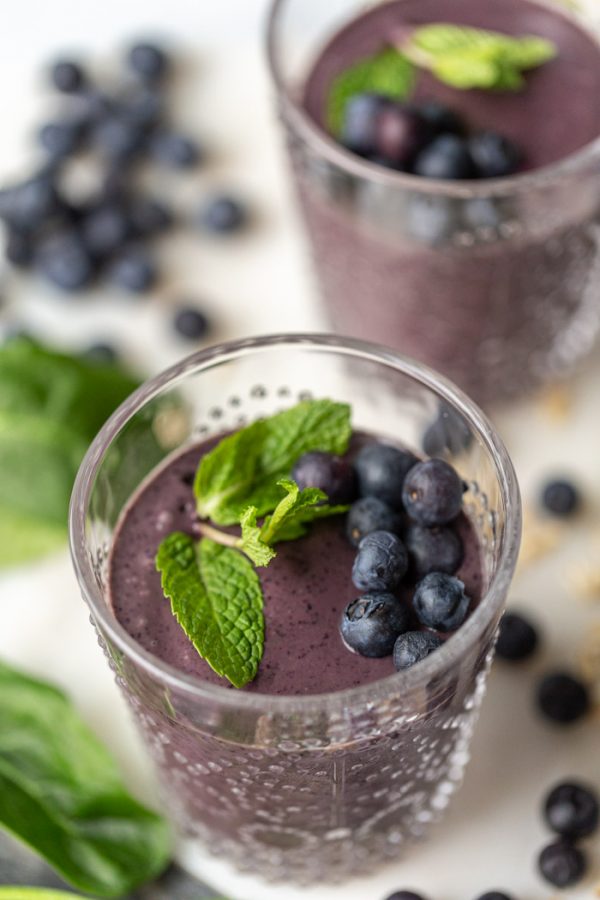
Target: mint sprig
<point>216,597</point>
<point>215,593</point>
<point>467,58</point>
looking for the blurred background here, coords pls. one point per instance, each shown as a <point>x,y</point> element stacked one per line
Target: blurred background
<point>241,268</point>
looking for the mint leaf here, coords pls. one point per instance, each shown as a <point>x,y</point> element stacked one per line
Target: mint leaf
<point>467,58</point>
<point>61,793</point>
<point>24,537</point>
<point>288,521</point>
<point>388,73</point>
<point>216,597</point>
<point>243,469</point>
<point>35,893</point>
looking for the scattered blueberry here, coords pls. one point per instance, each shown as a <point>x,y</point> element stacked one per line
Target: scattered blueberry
<point>101,353</point>
<point>382,470</point>
<point>148,61</point>
<point>190,323</point>
<point>144,107</point>
<point>405,895</point>
<point>561,498</point>
<point>32,203</point>
<point>360,122</point>
<point>432,493</point>
<point>19,248</point>
<point>60,139</point>
<point>67,76</point>
<point>563,698</point>
<point>175,150</point>
<point>133,270</point>
<point>105,229</point>
<point>381,562</point>
<point>413,646</point>
<point>149,217</point>
<point>571,810</point>
<point>437,549</point>
<point>399,135</point>
<point>119,139</point>
<point>371,624</point>
<point>517,638</point>
<point>494,895</point>
<point>562,864</point>
<point>370,514</point>
<point>440,602</point>
<point>439,119</point>
<point>329,473</point>
<point>447,157</point>
<point>65,262</point>
<point>224,215</point>
<point>494,156</point>
<point>447,433</point>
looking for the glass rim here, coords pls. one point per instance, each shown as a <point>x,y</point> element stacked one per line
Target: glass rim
<point>412,679</point>
<point>314,135</point>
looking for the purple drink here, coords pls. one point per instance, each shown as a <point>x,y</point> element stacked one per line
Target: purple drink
<point>306,786</point>
<point>492,282</point>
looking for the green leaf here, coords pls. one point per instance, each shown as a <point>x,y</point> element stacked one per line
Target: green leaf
<point>243,469</point>
<point>251,541</point>
<point>24,537</point>
<point>467,58</point>
<point>388,73</point>
<point>61,793</point>
<point>35,893</point>
<point>217,599</point>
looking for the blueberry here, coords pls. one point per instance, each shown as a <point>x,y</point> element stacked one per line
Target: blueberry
<point>494,895</point>
<point>371,624</point>
<point>431,219</point>
<point>517,638</point>
<point>381,562</point>
<point>60,139</point>
<point>148,61</point>
<point>432,493</point>
<point>101,353</point>
<point>494,156</point>
<point>32,203</point>
<point>563,698</point>
<point>19,248</point>
<point>571,810</point>
<point>370,514</point>
<point>190,323</point>
<point>561,498</point>
<point>133,270</point>
<point>65,262</point>
<point>148,216</point>
<point>144,107</point>
<point>447,157</point>
<point>117,138</point>
<point>382,470</point>
<point>437,549</point>
<point>405,895</point>
<point>329,473</point>
<point>439,119</point>
<point>175,150</point>
<point>440,602</point>
<point>223,215</point>
<point>360,121</point>
<point>105,229</point>
<point>399,135</point>
<point>447,433</point>
<point>562,864</point>
<point>67,76</point>
<point>414,646</point>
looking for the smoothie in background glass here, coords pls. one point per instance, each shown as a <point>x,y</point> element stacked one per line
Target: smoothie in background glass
<point>493,282</point>
<point>279,778</point>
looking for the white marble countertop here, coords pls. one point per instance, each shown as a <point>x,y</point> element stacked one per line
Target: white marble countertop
<point>262,283</point>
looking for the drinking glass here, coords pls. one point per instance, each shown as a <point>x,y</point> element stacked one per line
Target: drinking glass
<point>317,787</point>
<point>494,282</point>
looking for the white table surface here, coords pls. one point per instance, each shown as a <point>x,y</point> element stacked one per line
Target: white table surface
<point>262,283</point>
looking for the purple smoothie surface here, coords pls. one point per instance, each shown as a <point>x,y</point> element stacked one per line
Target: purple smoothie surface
<point>556,114</point>
<point>306,588</point>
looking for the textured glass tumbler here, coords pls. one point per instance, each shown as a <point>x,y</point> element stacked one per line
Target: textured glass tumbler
<point>494,283</point>
<point>300,787</point>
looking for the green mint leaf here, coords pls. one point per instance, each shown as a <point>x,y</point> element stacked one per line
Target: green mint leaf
<point>251,541</point>
<point>61,793</point>
<point>217,599</point>
<point>243,469</point>
<point>35,893</point>
<point>388,73</point>
<point>467,58</point>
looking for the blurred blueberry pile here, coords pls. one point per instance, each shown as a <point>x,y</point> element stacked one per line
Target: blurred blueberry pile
<point>74,239</point>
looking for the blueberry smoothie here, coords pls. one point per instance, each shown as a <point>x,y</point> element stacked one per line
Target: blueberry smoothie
<point>476,252</point>
<point>373,589</point>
